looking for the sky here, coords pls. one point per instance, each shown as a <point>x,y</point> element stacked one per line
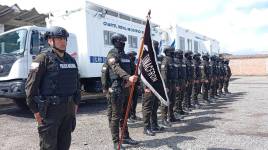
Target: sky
<point>241,26</point>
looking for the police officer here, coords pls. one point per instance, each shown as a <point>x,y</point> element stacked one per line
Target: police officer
<point>213,77</point>
<point>53,91</point>
<point>222,75</point>
<point>150,106</point>
<point>180,87</point>
<point>197,79</point>
<point>132,115</point>
<point>227,76</point>
<point>170,77</point>
<point>205,73</point>
<point>189,80</point>
<point>120,71</point>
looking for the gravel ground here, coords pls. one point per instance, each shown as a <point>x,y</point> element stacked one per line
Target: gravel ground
<point>236,121</point>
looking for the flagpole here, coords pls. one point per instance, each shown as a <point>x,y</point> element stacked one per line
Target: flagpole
<point>132,88</point>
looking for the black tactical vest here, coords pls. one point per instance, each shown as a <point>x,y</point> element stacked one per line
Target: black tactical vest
<point>61,77</point>
<point>189,70</point>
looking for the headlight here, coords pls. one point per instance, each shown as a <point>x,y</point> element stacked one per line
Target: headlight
<point>1,68</point>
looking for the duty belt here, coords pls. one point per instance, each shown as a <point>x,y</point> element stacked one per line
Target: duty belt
<point>56,100</point>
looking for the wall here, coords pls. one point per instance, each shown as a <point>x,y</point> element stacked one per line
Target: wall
<point>249,65</point>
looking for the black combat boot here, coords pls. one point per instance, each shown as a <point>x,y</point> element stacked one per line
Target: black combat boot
<point>130,141</point>
<point>157,128</point>
<point>166,123</point>
<point>148,131</point>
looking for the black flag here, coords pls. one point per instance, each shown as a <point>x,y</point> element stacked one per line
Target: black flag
<point>150,74</point>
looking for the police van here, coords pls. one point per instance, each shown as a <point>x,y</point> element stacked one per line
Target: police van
<point>90,26</point>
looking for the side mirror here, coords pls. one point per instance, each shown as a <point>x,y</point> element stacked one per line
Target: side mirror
<point>35,43</point>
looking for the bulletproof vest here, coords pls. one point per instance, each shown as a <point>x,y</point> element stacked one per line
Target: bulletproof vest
<point>125,63</point>
<point>206,68</point>
<point>213,69</point>
<point>197,70</point>
<point>172,73</point>
<point>61,77</point>
<point>181,70</point>
<point>189,70</point>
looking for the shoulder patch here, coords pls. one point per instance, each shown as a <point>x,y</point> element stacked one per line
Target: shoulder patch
<point>34,65</point>
<point>111,60</point>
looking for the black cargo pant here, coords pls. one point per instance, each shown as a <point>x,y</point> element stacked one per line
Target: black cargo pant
<point>221,82</point>
<point>188,94</point>
<point>168,111</point>
<point>134,103</point>
<point>179,98</point>
<point>226,84</point>
<point>116,101</point>
<point>212,88</point>
<point>149,109</point>
<point>55,131</point>
<point>196,91</point>
<point>205,89</point>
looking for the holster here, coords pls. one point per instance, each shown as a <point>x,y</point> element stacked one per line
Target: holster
<point>43,104</point>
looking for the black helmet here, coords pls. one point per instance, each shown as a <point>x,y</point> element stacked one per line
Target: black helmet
<point>56,32</point>
<point>155,42</point>
<point>168,49</point>
<point>179,54</point>
<point>188,53</point>
<point>205,56</point>
<point>196,56</point>
<point>118,37</point>
<point>213,58</point>
<point>226,61</point>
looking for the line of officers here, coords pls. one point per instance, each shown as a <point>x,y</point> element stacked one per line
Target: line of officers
<point>188,77</point>
<point>185,74</point>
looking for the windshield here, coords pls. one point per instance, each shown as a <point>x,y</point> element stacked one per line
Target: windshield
<point>13,42</point>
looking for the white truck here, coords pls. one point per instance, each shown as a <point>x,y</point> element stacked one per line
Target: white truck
<point>90,26</point>
<point>186,39</point>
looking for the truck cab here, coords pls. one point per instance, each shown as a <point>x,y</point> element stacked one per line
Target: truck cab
<point>18,47</point>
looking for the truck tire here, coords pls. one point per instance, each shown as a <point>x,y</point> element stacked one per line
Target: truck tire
<point>21,103</point>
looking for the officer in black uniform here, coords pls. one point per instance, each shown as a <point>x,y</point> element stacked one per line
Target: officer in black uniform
<point>213,77</point>
<point>132,115</point>
<point>150,106</point>
<point>222,75</point>
<point>189,80</point>
<point>180,88</point>
<point>170,77</point>
<point>120,70</point>
<point>205,73</point>
<point>197,79</point>
<point>227,76</point>
<point>53,92</point>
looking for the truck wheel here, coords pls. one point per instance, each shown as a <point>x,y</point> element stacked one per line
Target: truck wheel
<point>21,103</point>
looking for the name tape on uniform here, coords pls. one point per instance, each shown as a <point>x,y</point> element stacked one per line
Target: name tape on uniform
<point>65,66</point>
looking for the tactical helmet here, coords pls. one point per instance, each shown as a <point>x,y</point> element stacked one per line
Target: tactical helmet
<point>118,37</point>
<point>56,32</point>
<point>196,55</point>
<point>205,56</point>
<point>226,61</point>
<point>168,49</point>
<point>188,53</point>
<point>155,42</point>
<point>213,58</point>
<point>179,54</point>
